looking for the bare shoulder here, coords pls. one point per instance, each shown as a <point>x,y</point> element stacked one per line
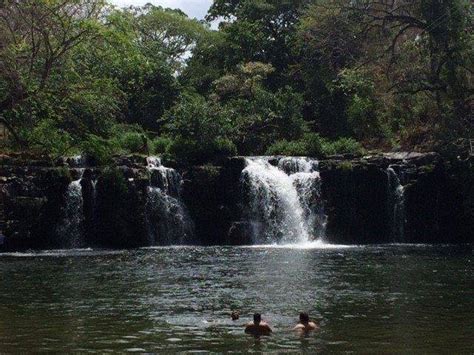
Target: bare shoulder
<point>299,326</point>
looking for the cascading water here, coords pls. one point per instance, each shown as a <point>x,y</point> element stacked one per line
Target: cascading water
<point>396,208</point>
<point>76,161</point>
<point>71,225</point>
<point>168,221</point>
<point>285,199</point>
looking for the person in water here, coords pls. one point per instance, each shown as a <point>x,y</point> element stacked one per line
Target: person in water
<point>258,327</point>
<point>235,315</point>
<point>305,325</point>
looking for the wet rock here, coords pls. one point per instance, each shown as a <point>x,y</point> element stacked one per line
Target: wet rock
<point>240,233</point>
<point>439,200</point>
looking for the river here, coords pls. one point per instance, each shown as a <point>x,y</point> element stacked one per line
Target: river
<point>385,298</point>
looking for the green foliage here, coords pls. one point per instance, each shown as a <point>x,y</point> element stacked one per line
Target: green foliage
<point>199,129</point>
<point>196,119</point>
<point>114,180</point>
<point>46,137</point>
<point>279,76</point>
<point>98,150</point>
<point>345,166</point>
<point>186,151</point>
<point>133,142</point>
<point>361,106</point>
<point>314,145</point>
<point>258,115</point>
<point>283,147</point>
<point>310,145</point>
<point>167,32</point>
<point>160,145</point>
<point>345,146</point>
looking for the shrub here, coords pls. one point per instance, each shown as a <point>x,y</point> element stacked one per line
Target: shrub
<point>224,147</point>
<point>313,145</point>
<point>284,147</point>
<point>310,145</point>
<point>127,139</point>
<point>48,138</point>
<point>98,150</point>
<point>345,146</point>
<point>345,166</point>
<point>188,151</point>
<point>133,142</point>
<point>160,145</point>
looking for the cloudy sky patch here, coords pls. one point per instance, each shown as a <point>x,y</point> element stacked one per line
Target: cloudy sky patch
<point>193,8</point>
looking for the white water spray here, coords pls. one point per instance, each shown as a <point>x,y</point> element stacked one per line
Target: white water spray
<point>71,225</point>
<point>168,221</point>
<point>285,199</point>
<point>396,207</point>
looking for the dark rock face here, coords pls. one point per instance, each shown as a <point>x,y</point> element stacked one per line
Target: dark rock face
<point>213,197</point>
<point>119,213</point>
<point>438,200</point>
<point>32,197</point>
<point>440,205</point>
<point>356,203</point>
<point>240,233</point>
<point>35,201</point>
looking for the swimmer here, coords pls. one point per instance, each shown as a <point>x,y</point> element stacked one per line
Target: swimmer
<point>304,324</point>
<point>257,327</point>
<point>235,315</point>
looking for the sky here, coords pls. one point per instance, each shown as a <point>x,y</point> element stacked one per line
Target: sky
<point>193,8</point>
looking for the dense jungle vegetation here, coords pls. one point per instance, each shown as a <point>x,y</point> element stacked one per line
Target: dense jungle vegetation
<point>297,77</point>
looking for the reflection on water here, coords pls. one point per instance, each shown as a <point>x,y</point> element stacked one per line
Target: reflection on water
<point>390,298</point>
<point>315,244</point>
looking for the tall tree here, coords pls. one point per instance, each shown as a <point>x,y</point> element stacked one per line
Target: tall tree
<point>261,30</point>
<point>36,38</point>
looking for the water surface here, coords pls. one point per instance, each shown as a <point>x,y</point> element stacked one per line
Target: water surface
<point>390,298</point>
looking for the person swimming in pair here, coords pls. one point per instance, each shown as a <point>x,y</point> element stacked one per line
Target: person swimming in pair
<point>305,325</point>
<point>258,327</point>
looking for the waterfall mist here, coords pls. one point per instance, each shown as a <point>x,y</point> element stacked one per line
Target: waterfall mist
<point>167,218</point>
<point>396,208</point>
<point>70,228</point>
<point>284,196</point>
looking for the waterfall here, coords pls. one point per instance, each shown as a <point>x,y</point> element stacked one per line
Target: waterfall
<point>396,206</point>
<point>284,199</point>
<point>167,218</point>
<point>70,228</point>
<point>76,161</point>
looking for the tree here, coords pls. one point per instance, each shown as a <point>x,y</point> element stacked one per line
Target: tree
<point>200,130</point>
<point>167,32</point>
<point>259,31</point>
<point>258,115</point>
<point>37,36</point>
<point>441,44</point>
<point>327,42</point>
<point>144,48</point>
<point>416,54</point>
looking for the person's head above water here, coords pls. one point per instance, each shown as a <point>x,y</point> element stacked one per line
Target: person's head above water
<point>235,315</point>
<point>257,318</point>
<point>304,317</point>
